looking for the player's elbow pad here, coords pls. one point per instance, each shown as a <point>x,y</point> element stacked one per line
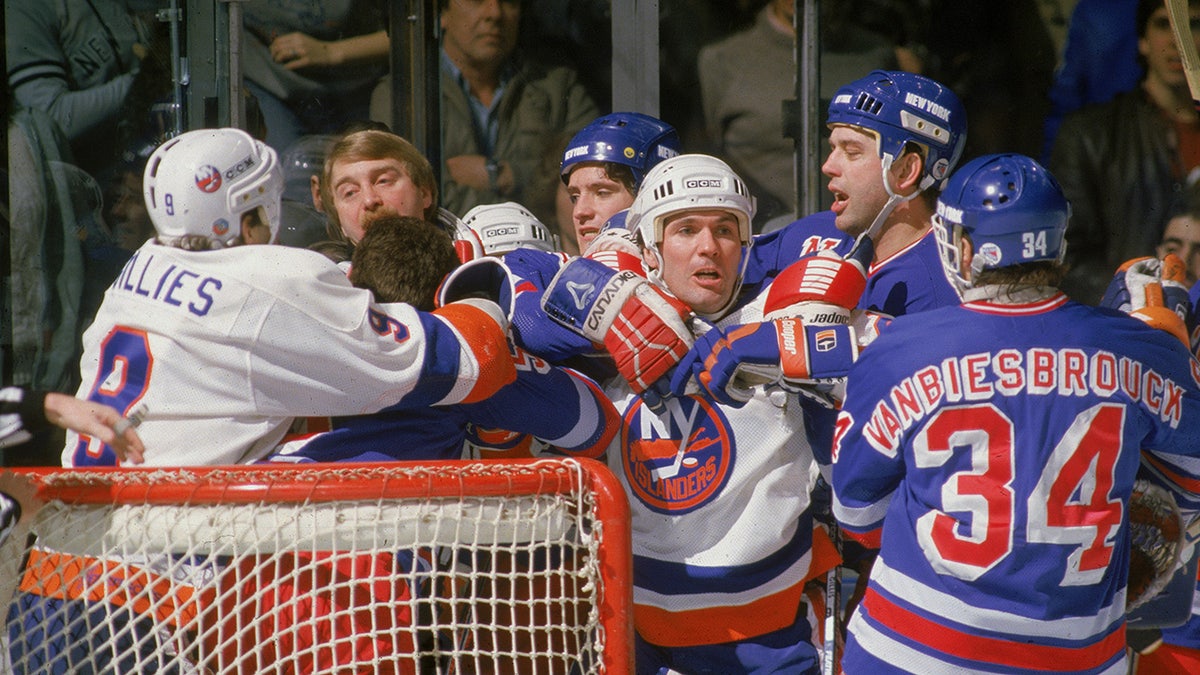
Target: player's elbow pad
<point>483,330</point>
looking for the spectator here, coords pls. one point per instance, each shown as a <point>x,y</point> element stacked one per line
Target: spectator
<point>1122,163</point>
<point>77,62</point>
<point>124,207</point>
<point>370,173</point>
<point>1000,507</point>
<point>1099,60</point>
<point>746,77</point>
<point>1182,234</point>
<point>264,325</point>
<point>312,66</point>
<point>499,111</point>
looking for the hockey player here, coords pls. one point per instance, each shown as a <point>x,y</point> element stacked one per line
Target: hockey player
<point>894,138</point>
<point>211,332</point>
<point>402,260</point>
<point>370,173</point>
<point>604,164</point>
<point>723,538</point>
<point>603,168</point>
<point>990,449</point>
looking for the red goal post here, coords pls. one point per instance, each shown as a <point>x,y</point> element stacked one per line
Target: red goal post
<point>439,567</point>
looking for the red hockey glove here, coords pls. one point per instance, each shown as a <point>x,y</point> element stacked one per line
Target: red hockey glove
<point>820,288</point>
<point>644,329</point>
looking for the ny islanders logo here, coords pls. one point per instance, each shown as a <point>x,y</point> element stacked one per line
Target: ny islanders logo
<point>679,461</point>
<point>208,178</point>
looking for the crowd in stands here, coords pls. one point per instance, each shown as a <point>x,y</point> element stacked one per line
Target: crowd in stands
<point>929,363</point>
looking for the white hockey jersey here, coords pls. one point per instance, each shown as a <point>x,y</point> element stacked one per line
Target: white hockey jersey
<point>223,348</point>
<point>723,536</point>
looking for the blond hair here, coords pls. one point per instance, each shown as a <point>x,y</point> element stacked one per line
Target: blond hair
<point>372,144</point>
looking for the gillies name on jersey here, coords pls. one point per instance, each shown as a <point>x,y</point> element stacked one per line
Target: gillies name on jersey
<point>169,283</point>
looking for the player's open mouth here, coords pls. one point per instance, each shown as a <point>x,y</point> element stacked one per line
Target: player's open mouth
<point>707,277</point>
<point>839,200</point>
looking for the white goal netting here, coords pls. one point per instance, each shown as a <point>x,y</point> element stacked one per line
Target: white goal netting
<point>454,567</point>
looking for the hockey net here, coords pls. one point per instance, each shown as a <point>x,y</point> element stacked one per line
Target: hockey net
<point>450,567</point>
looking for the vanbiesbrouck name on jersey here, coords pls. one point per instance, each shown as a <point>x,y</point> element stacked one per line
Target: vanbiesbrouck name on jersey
<point>168,282</point>
<point>983,376</point>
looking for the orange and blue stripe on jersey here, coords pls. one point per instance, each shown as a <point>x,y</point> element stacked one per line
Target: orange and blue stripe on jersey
<point>485,339</point>
<point>679,605</point>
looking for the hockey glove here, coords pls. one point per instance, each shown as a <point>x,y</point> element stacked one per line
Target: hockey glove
<point>1154,291</point>
<point>615,237</point>
<point>644,329</point>
<point>486,278</point>
<point>1157,532</point>
<point>821,288</point>
<point>783,351</point>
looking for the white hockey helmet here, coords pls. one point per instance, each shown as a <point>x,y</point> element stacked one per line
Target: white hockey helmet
<point>691,182</point>
<point>508,226</point>
<point>201,182</point>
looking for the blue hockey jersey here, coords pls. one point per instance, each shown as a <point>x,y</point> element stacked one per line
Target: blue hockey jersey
<point>990,451</point>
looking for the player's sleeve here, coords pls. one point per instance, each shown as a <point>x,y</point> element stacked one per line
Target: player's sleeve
<point>558,406</point>
<point>1172,450</point>
<point>867,470</point>
<point>334,351</point>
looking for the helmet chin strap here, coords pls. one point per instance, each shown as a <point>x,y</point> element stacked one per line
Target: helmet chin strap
<point>893,200</point>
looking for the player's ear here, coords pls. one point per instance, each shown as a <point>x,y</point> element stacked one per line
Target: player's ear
<point>649,259</point>
<point>966,251</point>
<point>906,171</point>
<point>254,229</point>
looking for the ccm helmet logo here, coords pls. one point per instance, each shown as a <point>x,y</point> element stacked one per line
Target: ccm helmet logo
<point>502,231</point>
<point>702,183</point>
<point>240,168</point>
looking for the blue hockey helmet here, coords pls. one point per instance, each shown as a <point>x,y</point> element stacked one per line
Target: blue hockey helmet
<point>1010,207</point>
<point>632,139</point>
<point>901,107</point>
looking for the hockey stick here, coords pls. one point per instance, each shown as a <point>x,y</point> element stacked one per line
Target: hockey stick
<point>1181,26</point>
<point>833,606</point>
